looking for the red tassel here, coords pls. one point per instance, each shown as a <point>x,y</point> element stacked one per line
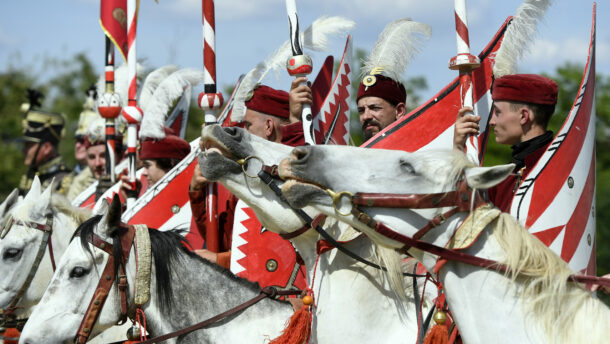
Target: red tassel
<point>11,333</point>
<point>297,331</point>
<point>438,335</point>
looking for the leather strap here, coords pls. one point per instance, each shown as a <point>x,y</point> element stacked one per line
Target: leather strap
<point>306,227</point>
<point>47,230</point>
<point>266,292</point>
<point>266,178</point>
<point>449,254</point>
<point>105,283</point>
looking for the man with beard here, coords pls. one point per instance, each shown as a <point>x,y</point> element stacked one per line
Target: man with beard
<point>381,101</point>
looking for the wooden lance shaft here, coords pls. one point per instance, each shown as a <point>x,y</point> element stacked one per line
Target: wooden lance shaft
<point>110,120</point>
<point>132,113</point>
<point>210,101</point>
<point>109,108</point>
<point>464,62</point>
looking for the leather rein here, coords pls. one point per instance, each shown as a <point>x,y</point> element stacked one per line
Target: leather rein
<point>8,314</point>
<point>268,174</point>
<point>107,279</point>
<point>463,199</point>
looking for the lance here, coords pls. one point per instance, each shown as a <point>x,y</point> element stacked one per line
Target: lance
<point>109,110</point>
<point>210,102</point>
<point>464,62</point>
<point>299,65</point>
<point>132,113</point>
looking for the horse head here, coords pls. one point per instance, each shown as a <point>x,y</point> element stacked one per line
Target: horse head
<point>74,283</point>
<point>23,276</point>
<point>326,177</point>
<point>233,157</point>
<point>364,186</point>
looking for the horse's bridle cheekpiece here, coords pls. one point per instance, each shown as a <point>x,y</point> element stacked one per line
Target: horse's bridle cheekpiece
<point>47,231</point>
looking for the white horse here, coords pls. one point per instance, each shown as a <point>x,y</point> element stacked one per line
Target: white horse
<point>355,302</point>
<point>531,303</point>
<point>23,277</point>
<point>184,289</point>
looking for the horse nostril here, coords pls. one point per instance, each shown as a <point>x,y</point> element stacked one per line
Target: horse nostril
<point>234,133</point>
<point>230,130</point>
<point>301,153</point>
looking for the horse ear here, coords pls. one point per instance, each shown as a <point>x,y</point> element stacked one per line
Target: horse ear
<point>486,177</point>
<point>9,202</point>
<point>43,203</point>
<point>34,189</point>
<point>114,213</point>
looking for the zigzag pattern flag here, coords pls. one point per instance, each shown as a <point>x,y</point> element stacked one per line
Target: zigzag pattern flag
<point>331,122</point>
<point>430,126</point>
<point>556,200</point>
<point>263,256</point>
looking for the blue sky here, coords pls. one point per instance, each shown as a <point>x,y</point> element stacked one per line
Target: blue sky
<point>32,31</point>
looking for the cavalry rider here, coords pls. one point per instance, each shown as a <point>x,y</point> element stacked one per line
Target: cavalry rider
<point>84,120</point>
<point>381,101</point>
<point>42,132</point>
<point>269,115</point>
<point>158,156</point>
<point>95,151</point>
<point>523,106</point>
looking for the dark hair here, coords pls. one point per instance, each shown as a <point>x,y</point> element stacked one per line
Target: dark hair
<point>542,112</point>
<point>166,164</point>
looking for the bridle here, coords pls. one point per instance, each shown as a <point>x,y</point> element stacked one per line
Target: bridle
<point>126,236</point>
<point>126,239</point>
<point>269,175</point>
<point>9,318</point>
<point>463,199</point>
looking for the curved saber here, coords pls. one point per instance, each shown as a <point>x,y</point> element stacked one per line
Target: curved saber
<point>299,65</point>
<point>465,63</point>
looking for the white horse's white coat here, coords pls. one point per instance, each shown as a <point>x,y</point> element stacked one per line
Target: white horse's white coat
<point>19,247</point>
<point>63,305</point>
<point>488,307</point>
<point>355,303</point>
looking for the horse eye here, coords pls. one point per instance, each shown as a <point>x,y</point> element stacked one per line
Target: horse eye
<point>407,167</point>
<point>78,272</point>
<point>11,253</point>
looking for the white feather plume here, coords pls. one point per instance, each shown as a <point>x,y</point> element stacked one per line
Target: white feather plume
<point>519,36</point>
<point>152,81</point>
<point>121,83</point>
<point>315,37</point>
<point>397,44</point>
<point>163,99</point>
<point>247,84</point>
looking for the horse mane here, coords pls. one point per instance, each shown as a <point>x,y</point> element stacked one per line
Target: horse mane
<point>61,204</point>
<point>383,256</point>
<point>435,160</point>
<point>547,294</point>
<point>166,247</point>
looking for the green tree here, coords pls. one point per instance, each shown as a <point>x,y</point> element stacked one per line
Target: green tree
<point>65,93</point>
<point>13,85</point>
